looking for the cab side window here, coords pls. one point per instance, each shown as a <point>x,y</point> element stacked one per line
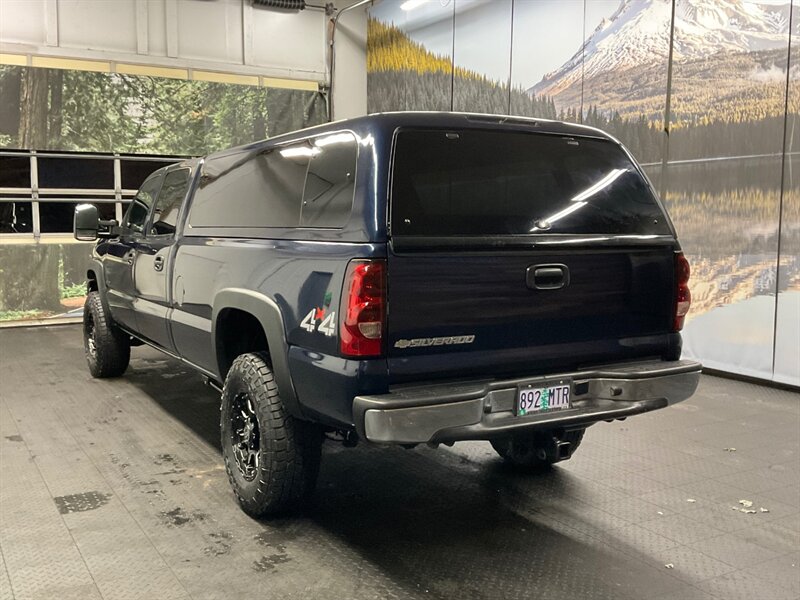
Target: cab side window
<point>173,192</point>
<point>142,202</point>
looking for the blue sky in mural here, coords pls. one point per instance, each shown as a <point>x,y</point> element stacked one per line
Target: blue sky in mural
<point>556,24</point>
<point>483,38</point>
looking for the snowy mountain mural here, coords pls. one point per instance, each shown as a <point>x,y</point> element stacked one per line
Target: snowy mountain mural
<point>749,39</point>
<point>728,182</point>
<point>638,33</point>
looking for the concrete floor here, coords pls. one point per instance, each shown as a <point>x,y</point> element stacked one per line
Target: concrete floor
<point>115,489</point>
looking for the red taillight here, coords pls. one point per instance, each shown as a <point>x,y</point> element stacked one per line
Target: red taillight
<point>363,308</point>
<point>683,297</point>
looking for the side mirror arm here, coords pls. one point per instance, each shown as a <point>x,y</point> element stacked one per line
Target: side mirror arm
<point>108,228</point>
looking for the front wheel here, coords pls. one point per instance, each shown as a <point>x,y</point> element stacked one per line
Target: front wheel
<point>272,459</point>
<point>107,347</point>
<point>532,452</point>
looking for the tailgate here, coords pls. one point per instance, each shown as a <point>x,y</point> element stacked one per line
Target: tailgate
<point>518,252</point>
<point>447,305</point>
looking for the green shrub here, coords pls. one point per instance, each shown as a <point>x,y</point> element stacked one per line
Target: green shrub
<point>16,315</point>
<point>73,291</point>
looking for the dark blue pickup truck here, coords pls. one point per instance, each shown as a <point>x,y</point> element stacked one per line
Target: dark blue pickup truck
<point>401,278</point>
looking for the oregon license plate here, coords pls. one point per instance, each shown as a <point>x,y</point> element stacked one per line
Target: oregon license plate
<point>536,399</point>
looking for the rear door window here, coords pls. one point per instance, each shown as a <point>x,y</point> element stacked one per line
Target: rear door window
<point>480,182</point>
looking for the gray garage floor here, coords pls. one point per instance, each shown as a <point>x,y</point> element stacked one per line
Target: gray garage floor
<point>115,489</point>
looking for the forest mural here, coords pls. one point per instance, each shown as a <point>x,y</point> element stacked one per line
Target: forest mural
<point>54,109</point>
<point>79,111</point>
<point>730,177</point>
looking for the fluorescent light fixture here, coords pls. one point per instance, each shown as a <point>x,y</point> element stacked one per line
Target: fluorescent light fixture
<point>411,4</point>
<point>299,151</point>
<point>336,138</point>
<point>600,185</point>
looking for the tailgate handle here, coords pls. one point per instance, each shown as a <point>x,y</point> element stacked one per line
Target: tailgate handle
<point>547,277</point>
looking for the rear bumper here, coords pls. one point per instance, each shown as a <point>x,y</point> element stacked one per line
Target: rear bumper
<point>484,410</point>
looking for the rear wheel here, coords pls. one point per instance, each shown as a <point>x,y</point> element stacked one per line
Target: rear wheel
<point>272,459</point>
<point>538,451</point>
<point>107,347</point>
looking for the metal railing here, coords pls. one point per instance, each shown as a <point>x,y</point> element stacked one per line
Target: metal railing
<point>36,195</point>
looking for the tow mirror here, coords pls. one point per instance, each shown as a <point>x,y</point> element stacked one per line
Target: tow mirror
<point>87,222</point>
<point>89,226</point>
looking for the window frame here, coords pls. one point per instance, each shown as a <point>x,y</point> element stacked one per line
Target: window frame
<point>152,211</point>
<point>125,225</point>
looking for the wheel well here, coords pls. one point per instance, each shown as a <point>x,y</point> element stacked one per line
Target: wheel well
<point>237,332</point>
<point>91,281</point>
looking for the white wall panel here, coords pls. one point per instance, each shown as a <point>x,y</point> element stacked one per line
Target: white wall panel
<point>22,21</point>
<point>289,40</point>
<point>156,28</point>
<point>97,25</point>
<point>210,30</point>
<point>227,36</point>
<point>182,33</point>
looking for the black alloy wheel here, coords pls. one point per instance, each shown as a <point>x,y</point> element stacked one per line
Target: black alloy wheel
<point>271,457</point>
<point>245,437</point>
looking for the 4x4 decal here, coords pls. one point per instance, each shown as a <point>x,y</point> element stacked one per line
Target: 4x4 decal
<point>327,326</point>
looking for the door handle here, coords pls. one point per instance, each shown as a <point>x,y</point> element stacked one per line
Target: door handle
<point>547,277</point>
<point>158,263</point>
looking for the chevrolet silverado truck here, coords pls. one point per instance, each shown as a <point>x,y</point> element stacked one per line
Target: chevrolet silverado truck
<point>401,278</point>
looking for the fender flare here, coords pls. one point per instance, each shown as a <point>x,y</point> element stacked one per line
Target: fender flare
<point>269,315</point>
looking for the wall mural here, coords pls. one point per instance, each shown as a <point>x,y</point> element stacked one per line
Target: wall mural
<point>731,183</point>
<point>53,109</point>
<point>65,110</point>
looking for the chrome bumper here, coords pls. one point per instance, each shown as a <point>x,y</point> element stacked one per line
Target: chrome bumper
<point>484,410</point>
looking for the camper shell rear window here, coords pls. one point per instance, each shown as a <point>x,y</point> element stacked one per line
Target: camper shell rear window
<point>475,182</point>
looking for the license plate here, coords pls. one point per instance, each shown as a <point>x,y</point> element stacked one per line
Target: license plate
<point>538,399</point>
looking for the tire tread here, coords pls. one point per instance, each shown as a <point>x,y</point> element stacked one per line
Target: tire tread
<point>112,345</point>
<point>291,448</point>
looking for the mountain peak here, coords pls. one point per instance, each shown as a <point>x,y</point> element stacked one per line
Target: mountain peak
<point>638,34</point>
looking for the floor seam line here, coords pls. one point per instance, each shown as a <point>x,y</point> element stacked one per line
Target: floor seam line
<point>5,568</point>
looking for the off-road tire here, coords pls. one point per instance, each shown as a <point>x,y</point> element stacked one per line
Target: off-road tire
<point>523,452</point>
<point>107,347</point>
<point>289,449</point>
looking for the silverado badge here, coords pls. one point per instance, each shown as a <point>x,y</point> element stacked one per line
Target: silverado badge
<point>436,341</point>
